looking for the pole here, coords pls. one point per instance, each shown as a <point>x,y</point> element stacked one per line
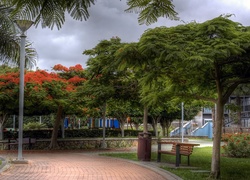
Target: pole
<point>182,119</point>
<point>21,97</point>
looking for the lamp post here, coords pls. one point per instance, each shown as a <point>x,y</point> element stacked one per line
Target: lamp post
<point>23,25</point>
<point>182,119</point>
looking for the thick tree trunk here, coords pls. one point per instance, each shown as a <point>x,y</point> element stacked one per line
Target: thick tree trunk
<point>215,165</point>
<point>53,142</point>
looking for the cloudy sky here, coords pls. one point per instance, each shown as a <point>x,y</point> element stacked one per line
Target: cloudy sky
<point>108,19</point>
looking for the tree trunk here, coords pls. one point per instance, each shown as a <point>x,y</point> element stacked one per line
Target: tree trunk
<point>2,120</point>
<point>122,120</point>
<point>155,129</point>
<point>215,165</point>
<point>104,145</point>
<point>53,142</point>
<point>155,122</point>
<point>145,120</point>
<point>239,114</point>
<point>122,127</point>
<point>136,127</point>
<point>1,131</point>
<point>62,128</point>
<point>164,128</point>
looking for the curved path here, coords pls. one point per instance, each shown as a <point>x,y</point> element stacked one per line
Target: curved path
<point>79,166</point>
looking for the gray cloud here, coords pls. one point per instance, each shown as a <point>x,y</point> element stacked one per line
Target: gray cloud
<point>108,19</point>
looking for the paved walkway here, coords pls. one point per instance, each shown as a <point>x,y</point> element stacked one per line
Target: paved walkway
<point>81,165</point>
<point>76,165</point>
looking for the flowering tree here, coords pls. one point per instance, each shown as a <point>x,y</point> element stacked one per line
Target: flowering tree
<point>68,100</point>
<point>44,93</point>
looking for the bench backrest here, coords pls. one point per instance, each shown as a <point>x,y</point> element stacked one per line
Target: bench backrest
<point>183,149</point>
<point>28,140</point>
<point>32,140</point>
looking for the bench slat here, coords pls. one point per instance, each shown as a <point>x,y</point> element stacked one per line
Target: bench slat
<point>186,149</point>
<point>28,141</point>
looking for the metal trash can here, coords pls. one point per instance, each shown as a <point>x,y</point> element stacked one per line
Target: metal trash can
<point>144,147</point>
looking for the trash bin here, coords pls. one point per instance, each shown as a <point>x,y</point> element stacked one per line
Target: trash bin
<point>144,147</point>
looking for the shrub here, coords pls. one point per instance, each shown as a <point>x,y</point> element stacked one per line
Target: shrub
<point>236,145</point>
<point>34,125</point>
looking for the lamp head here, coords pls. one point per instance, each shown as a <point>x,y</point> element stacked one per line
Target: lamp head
<point>23,25</point>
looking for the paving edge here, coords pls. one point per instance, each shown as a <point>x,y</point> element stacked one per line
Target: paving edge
<point>5,165</point>
<point>166,174</point>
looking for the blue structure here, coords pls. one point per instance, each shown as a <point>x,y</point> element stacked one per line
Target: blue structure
<point>177,131</point>
<point>110,123</point>
<point>66,122</point>
<point>116,123</point>
<point>205,130</point>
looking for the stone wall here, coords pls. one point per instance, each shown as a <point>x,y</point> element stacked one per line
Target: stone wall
<point>87,143</point>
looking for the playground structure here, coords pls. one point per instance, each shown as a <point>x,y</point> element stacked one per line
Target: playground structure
<point>189,130</point>
<point>98,123</point>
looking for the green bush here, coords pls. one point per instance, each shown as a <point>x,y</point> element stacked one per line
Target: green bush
<point>34,125</point>
<point>237,145</point>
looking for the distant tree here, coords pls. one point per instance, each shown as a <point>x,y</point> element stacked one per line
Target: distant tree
<point>105,81</point>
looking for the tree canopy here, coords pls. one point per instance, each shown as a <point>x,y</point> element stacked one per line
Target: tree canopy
<point>205,61</point>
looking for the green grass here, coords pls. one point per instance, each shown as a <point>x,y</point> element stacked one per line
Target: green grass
<point>231,168</point>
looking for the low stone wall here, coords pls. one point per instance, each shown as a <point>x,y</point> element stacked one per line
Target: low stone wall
<point>89,143</point>
<point>95,143</point>
<point>92,143</point>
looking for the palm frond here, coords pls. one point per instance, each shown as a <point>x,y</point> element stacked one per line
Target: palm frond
<point>49,13</point>
<point>79,9</point>
<point>150,10</point>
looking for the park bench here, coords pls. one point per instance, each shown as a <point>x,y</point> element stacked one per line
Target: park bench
<point>26,141</point>
<point>178,149</point>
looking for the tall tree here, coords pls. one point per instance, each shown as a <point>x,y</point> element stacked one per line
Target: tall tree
<point>204,61</point>
<point>63,94</point>
<point>104,79</point>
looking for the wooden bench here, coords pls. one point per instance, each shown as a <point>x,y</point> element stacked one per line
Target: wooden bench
<point>28,141</point>
<point>178,149</point>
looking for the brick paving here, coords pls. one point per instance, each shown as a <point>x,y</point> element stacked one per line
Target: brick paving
<point>76,165</point>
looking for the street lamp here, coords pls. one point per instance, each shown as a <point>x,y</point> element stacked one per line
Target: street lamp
<point>23,25</point>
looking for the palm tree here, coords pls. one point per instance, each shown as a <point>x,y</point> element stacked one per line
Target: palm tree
<point>10,42</point>
<point>8,39</point>
<point>150,10</point>
<point>49,13</point>
<point>52,13</point>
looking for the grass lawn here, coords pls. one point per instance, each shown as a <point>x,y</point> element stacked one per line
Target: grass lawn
<point>231,168</point>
